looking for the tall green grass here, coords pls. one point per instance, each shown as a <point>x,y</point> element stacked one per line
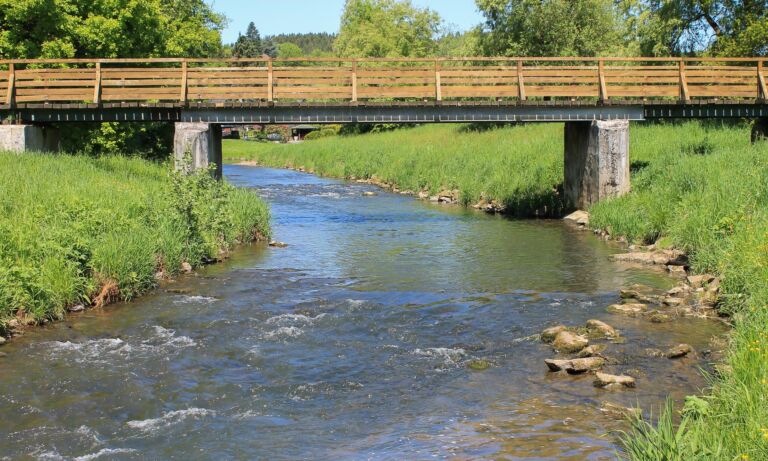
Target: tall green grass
<point>520,167</point>
<point>72,225</point>
<point>697,186</point>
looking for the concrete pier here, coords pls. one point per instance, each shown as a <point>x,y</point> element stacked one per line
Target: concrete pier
<point>760,130</point>
<point>25,138</point>
<point>202,141</point>
<point>596,161</point>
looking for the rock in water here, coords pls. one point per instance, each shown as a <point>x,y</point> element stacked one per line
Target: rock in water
<point>575,366</point>
<point>479,364</point>
<point>679,351</point>
<point>277,244</point>
<point>579,217</point>
<point>606,380</point>
<point>699,281</point>
<point>602,328</point>
<point>591,351</point>
<point>619,412</point>
<point>369,194</point>
<point>631,309</point>
<point>549,334</point>
<point>186,267</point>
<point>568,342</point>
<point>2,340</point>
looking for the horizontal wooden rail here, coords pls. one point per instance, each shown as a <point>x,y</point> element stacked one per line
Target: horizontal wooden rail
<point>212,80</point>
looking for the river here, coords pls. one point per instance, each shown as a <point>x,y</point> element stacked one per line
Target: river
<point>351,343</point>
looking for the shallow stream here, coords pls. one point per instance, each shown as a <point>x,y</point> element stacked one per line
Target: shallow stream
<point>351,343</point>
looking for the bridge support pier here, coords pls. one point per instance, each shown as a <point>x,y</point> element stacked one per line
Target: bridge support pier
<point>760,130</point>
<point>24,138</point>
<point>596,161</point>
<point>202,142</point>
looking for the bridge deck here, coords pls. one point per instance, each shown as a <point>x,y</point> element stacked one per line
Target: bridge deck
<point>331,89</point>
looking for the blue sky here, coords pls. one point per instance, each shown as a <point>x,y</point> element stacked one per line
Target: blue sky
<point>285,16</point>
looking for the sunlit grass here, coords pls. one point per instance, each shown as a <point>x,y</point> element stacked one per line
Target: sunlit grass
<point>71,224</point>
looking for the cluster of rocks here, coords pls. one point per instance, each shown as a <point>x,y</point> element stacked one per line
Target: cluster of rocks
<point>695,296</point>
<point>585,358</point>
<point>579,356</point>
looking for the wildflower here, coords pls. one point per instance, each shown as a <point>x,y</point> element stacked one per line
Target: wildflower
<point>745,457</point>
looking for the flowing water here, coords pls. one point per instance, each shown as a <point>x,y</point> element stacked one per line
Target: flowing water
<point>352,343</point>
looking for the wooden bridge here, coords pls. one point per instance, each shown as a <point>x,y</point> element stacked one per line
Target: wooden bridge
<point>419,89</point>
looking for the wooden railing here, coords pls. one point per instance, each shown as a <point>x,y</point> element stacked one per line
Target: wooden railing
<point>185,81</point>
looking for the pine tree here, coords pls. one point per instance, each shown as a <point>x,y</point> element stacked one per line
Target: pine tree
<point>248,45</point>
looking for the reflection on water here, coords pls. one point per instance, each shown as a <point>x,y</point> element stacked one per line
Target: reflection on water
<point>352,343</point>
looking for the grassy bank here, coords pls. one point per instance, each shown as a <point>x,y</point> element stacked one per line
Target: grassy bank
<point>699,187</point>
<point>78,230</point>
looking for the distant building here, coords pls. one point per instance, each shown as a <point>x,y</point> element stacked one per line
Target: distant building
<point>298,132</point>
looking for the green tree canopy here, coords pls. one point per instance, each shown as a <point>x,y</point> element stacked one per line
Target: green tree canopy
<point>289,50</point>
<point>550,28</point>
<point>386,28</point>
<point>108,28</point>
<point>248,45</point>
<point>678,27</point>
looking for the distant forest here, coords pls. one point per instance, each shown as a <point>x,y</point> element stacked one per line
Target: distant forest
<point>310,43</point>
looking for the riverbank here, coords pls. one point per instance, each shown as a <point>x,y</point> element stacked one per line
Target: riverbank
<point>697,187</point>
<point>77,231</point>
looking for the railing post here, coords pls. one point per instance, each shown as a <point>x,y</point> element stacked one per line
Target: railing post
<point>270,81</point>
<point>601,77</point>
<point>9,99</point>
<point>97,85</point>
<point>184,84</point>
<point>520,80</point>
<point>762,90</point>
<point>354,80</point>
<point>684,96</point>
<point>438,83</point>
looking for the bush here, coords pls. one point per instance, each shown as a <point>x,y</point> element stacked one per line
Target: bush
<point>324,133</point>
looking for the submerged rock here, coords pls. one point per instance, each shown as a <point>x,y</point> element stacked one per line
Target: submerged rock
<point>568,342</point>
<point>631,309</point>
<point>658,317</point>
<point>661,258</point>
<point>617,411</point>
<point>606,380</point>
<point>673,301</point>
<point>575,366</point>
<point>76,308</point>
<point>479,364</point>
<point>369,194</point>
<point>679,351</point>
<point>277,244</point>
<point>592,351</point>
<point>2,340</point>
<point>186,267</point>
<point>602,328</point>
<point>550,334</point>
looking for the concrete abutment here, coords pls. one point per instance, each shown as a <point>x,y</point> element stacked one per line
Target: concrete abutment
<point>29,138</point>
<point>202,141</point>
<point>596,161</point>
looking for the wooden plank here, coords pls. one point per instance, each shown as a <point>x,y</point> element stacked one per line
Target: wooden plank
<point>97,85</point>
<point>184,82</point>
<point>742,91</point>
<point>354,81</point>
<point>9,97</point>
<point>761,86</point>
<point>168,96</point>
<point>568,91</point>
<point>142,82</point>
<point>54,83</point>
<point>192,75</point>
<point>520,81</point>
<point>472,91</point>
<point>645,91</point>
<point>601,76</point>
<point>683,84</point>
<point>397,92</point>
<point>270,82</point>
<point>229,96</point>
<point>313,81</point>
<point>438,90</point>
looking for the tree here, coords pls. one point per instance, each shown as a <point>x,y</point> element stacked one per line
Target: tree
<point>248,45</point>
<point>685,27</point>
<point>108,29</point>
<point>269,48</point>
<point>386,28</point>
<point>550,28</point>
<point>289,50</point>
<point>309,43</point>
